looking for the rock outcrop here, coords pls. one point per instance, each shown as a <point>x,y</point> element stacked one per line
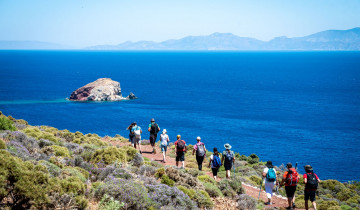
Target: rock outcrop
<point>103,89</point>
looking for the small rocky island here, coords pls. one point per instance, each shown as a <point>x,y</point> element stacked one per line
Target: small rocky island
<point>103,89</point>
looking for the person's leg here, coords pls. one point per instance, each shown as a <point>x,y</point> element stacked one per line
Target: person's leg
<point>163,149</point>
<point>314,205</point>
<point>306,204</point>
<point>183,164</point>
<point>306,198</point>
<point>268,189</point>
<point>199,160</point>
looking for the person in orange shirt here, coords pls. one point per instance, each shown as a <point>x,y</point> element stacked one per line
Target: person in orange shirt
<point>290,179</point>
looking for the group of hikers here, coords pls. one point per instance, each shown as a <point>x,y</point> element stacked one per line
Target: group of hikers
<point>289,180</point>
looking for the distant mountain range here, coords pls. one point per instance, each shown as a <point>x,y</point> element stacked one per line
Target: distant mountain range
<point>31,45</point>
<point>330,40</point>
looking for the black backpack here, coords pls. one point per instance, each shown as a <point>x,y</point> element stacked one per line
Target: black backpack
<point>154,128</point>
<point>180,145</point>
<point>311,181</point>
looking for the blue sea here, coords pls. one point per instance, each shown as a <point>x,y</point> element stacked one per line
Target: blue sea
<point>283,106</point>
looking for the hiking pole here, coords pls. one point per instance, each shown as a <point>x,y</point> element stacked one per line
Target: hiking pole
<point>296,166</point>
<point>260,187</point>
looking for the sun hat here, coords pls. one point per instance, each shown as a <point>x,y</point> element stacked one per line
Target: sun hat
<point>269,164</point>
<point>308,168</point>
<point>289,165</point>
<point>227,146</point>
<point>164,131</point>
<point>198,138</point>
<point>152,120</point>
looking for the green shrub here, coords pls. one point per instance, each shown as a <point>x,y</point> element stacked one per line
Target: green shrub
<point>166,180</point>
<point>346,207</point>
<point>257,180</point>
<point>81,202</point>
<point>38,134</point>
<point>325,205</point>
<point>345,194</point>
<point>2,144</point>
<point>206,179</point>
<point>160,172</point>
<point>213,190</point>
<point>53,169</point>
<point>60,151</point>
<point>108,156</point>
<point>203,199</point>
<point>73,185</point>
<point>6,124</point>
<point>231,187</point>
<point>84,172</point>
<point>109,203</point>
<point>332,185</point>
<point>354,199</point>
<point>253,159</point>
<point>70,171</point>
<point>188,191</point>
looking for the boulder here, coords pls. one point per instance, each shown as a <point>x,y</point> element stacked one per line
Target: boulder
<point>131,96</point>
<point>103,89</point>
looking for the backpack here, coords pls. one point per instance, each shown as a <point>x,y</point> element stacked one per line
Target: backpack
<point>216,162</point>
<point>292,177</point>
<point>137,133</point>
<point>154,128</point>
<point>271,175</point>
<point>311,181</point>
<point>200,150</point>
<point>180,145</point>
<point>229,156</point>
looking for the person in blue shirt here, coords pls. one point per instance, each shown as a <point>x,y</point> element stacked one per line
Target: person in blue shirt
<point>136,131</point>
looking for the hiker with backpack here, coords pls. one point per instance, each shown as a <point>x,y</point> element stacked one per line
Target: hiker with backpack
<point>136,131</point>
<point>164,141</point>
<point>269,174</point>
<point>290,179</point>
<point>311,181</point>
<point>180,149</point>
<point>131,135</point>
<point>200,150</point>
<point>153,129</point>
<point>215,162</point>
<point>228,158</point>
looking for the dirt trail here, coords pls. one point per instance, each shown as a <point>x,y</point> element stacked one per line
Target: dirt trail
<point>158,157</point>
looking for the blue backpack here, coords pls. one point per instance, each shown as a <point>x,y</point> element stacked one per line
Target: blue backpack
<point>216,162</point>
<point>271,176</point>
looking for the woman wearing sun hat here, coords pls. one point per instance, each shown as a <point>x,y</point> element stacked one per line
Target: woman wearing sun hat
<point>164,140</point>
<point>269,174</point>
<point>228,158</point>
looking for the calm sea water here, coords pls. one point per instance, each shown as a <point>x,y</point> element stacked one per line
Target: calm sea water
<point>283,106</point>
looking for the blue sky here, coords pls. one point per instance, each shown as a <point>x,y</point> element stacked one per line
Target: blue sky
<point>83,23</point>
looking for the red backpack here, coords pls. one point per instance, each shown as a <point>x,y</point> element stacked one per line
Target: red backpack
<point>292,177</point>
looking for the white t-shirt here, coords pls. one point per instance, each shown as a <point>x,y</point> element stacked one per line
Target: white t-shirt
<point>164,139</point>
<point>266,169</point>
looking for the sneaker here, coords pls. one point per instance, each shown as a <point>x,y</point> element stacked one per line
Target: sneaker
<point>294,206</point>
<point>289,207</point>
<point>267,203</point>
<point>140,152</point>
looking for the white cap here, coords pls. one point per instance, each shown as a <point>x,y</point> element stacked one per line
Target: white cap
<point>198,138</point>
<point>164,131</point>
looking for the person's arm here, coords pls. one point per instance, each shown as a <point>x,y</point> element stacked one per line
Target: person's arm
<point>233,157</point>
<point>194,149</point>
<point>175,147</point>
<point>210,161</point>
<point>222,160</point>
<point>140,130</point>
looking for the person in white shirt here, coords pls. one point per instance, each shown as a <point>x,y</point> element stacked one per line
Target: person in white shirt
<point>164,141</point>
<point>270,178</point>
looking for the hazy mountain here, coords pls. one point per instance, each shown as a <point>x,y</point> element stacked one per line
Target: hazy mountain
<point>325,40</point>
<point>31,45</point>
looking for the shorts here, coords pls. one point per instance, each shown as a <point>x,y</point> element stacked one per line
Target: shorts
<point>214,171</point>
<point>310,194</point>
<point>290,191</point>
<point>153,139</point>
<point>180,156</point>
<point>228,166</point>
<point>135,140</point>
<point>163,148</point>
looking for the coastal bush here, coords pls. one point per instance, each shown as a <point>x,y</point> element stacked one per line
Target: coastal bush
<point>38,134</point>
<point>212,190</point>
<point>44,143</point>
<point>29,143</point>
<point>18,150</point>
<point>345,194</point>
<point>71,171</point>
<point>160,172</point>
<point>60,151</point>
<point>59,161</point>
<point>201,197</point>
<point>6,124</point>
<point>133,194</point>
<point>2,144</point>
<point>108,156</point>
<point>74,148</point>
<point>325,205</point>
<point>246,202</point>
<point>146,170</point>
<point>256,180</point>
<point>195,172</point>
<point>73,185</point>
<point>231,187</point>
<point>27,184</point>
<point>53,169</point>
<point>138,160</point>
<point>109,203</point>
<point>166,180</point>
<point>253,159</point>
<point>206,179</point>
<point>164,195</point>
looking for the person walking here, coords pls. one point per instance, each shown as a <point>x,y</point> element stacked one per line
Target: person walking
<point>215,162</point>
<point>290,179</point>
<point>164,141</point>
<point>131,135</point>
<point>200,150</point>
<point>228,158</point>
<point>136,131</point>
<point>180,149</point>
<point>153,129</point>
<point>269,174</point>
<point>311,181</point>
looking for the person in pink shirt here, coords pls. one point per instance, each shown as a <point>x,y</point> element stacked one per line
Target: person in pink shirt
<point>200,150</point>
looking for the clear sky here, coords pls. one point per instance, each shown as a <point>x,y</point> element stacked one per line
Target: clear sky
<point>91,22</point>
